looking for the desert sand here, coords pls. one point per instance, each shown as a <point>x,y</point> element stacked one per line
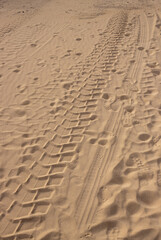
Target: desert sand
<point>80,120</point>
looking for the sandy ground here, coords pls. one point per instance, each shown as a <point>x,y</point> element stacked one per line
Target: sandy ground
<point>80,120</point>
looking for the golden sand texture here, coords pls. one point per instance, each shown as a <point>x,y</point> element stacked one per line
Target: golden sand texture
<point>80,120</point>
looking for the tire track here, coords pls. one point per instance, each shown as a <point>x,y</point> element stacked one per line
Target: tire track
<point>30,186</point>
<point>89,203</point>
<point>89,190</point>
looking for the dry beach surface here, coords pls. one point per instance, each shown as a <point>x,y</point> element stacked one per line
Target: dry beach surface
<point>80,120</point>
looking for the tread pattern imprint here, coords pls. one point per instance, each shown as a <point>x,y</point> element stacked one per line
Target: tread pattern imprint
<point>51,147</point>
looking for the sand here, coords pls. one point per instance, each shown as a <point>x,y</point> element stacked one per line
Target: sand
<point>80,120</point>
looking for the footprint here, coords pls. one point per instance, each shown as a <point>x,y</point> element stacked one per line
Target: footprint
<point>105,96</point>
<point>93,140</point>
<point>129,108</point>
<point>78,39</point>
<point>19,113</point>
<point>148,197</point>
<point>144,137</point>
<point>111,210</point>
<point>132,61</point>
<point>140,48</point>
<point>25,135</point>
<point>93,117</point>
<point>123,97</point>
<point>78,54</point>
<point>132,208</point>
<point>26,102</point>
<point>102,142</point>
<point>69,51</point>
<point>16,70</point>
<point>33,44</point>
<point>66,86</point>
<point>52,104</point>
